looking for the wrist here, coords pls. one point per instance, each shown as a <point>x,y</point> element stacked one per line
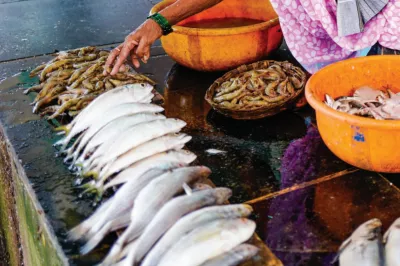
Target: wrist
<point>162,22</point>
<point>151,24</point>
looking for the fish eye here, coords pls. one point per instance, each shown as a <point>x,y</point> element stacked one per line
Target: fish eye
<point>142,85</point>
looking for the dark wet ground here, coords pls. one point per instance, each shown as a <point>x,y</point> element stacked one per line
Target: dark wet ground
<point>305,204</point>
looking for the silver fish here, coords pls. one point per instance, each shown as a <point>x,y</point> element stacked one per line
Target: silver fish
<point>132,138</point>
<point>166,160</point>
<point>121,203</point>
<point>118,120</point>
<point>363,247</point>
<point>151,199</point>
<point>191,222</point>
<point>214,151</point>
<point>367,93</point>
<point>125,94</point>
<point>154,146</point>
<point>173,210</point>
<point>392,244</point>
<point>212,239</point>
<point>234,257</point>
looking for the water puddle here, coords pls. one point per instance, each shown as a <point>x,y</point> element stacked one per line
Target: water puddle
<point>14,105</point>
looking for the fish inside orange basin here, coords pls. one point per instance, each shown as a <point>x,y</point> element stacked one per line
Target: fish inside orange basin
<point>369,102</point>
<point>220,23</point>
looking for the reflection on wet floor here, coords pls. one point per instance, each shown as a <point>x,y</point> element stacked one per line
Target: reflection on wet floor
<point>308,224</point>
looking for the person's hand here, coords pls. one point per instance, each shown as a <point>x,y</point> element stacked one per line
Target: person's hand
<point>137,45</point>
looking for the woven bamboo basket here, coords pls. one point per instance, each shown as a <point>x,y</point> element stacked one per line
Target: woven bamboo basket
<point>293,101</point>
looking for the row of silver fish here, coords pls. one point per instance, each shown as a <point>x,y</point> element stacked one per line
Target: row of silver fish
<point>366,247</point>
<point>168,215</point>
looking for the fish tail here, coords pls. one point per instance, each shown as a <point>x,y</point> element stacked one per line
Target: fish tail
<point>107,186</point>
<point>78,163</point>
<point>96,239</point>
<point>65,129</point>
<point>59,143</point>
<point>89,189</point>
<point>67,159</point>
<point>75,158</point>
<point>69,155</point>
<point>99,195</point>
<point>72,167</point>
<point>91,173</point>
<point>65,143</point>
<point>79,231</point>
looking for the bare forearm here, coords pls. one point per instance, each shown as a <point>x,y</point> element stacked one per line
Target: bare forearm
<point>183,9</point>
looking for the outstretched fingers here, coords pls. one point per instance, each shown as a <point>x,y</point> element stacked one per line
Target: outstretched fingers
<point>111,58</point>
<point>126,49</point>
<point>134,58</point>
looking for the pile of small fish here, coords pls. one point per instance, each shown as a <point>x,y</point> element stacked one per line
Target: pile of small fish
<point>259,87</point>
<point>366,247</point>
<point>169,214</point>
<point>73,79</point>
<point>368,102</point>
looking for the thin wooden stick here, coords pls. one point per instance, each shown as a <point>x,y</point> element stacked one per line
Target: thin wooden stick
<point>303,185</point>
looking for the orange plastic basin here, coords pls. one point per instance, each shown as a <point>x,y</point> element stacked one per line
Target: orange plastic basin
<point>224,48</point>
<point>363,142</point>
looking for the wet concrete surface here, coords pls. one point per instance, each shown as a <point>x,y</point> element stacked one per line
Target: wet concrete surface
<point>302,222</point>
<point>254,167</point>
<point>36,27</point>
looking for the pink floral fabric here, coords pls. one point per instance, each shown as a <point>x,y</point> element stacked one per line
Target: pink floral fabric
<point>311,33</point>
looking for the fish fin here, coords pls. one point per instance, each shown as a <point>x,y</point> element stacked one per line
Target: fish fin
<point>187,189</point>
<point>89,188</point>
<point>342,247</point>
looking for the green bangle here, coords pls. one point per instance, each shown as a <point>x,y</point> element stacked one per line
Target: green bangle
<point>163,22</point>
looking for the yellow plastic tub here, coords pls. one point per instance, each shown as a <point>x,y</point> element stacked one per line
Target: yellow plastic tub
<point>224,48</point>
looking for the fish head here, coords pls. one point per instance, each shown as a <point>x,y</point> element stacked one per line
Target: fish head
<point>184,156</point>
<point>329,101</point>
<point>394,227</point>
<point>204,170</point>
<point>175,123</point>
<point>200,187</point>
<point>180,138</point>
<point>246,227</point>
<point>146,87</point>
<point>222,195</point>
<point>367,93</point>
<point>196,173</point>
<point>369,230</point>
